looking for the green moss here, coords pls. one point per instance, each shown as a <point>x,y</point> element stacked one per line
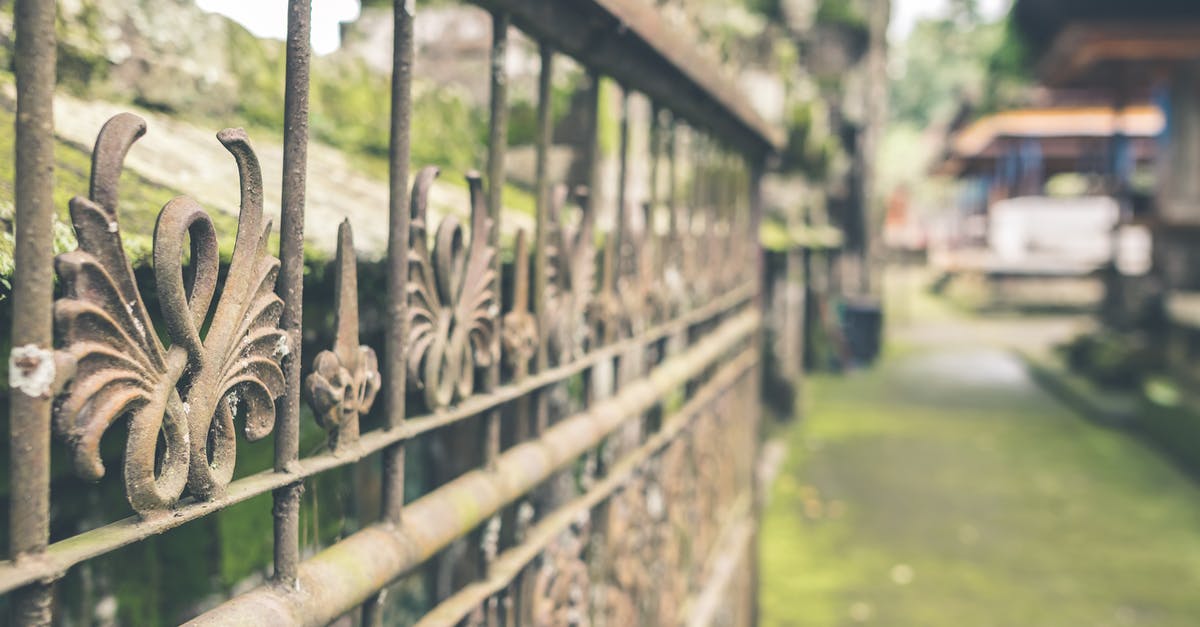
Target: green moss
<point>79,67</point>
<point>926,492</point>
<point>520,200</point>
<point>141,200</point>
<point>259,75</point>
<point>844,13</point>
<point>773,235</point>
<point>811,148</point>
<point>243,530</point>
<point>446,130</point>
<point>608,133</point>
<point>522,114</point>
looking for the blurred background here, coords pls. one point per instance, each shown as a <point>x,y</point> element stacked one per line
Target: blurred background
<point>982,268</point>
<point>1025,447</point>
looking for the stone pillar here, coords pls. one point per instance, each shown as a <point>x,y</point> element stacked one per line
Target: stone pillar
<point>1176,255</point>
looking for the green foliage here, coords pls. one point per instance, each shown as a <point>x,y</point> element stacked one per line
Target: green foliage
<point>259,75</point>
<point>79,68</point>
<point>446,130</point>
<point>141,200</point>
<point>810,148</point>
<point>349,107</point>
<point>1009,71</point>
<point>772,9</point>
<point>608,131</point>
<point>956,59</point>
<point>522,115</point>
<point>844,13</point>
<point>1117,360</point>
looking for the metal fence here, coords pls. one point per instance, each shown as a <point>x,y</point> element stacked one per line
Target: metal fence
<point>633,503</point>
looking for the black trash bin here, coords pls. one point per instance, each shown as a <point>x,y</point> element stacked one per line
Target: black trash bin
<point>862,324</point>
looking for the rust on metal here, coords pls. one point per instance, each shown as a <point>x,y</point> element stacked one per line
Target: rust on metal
<point>399,200</point>
<point>642,533</point>
<point>344,575</point>
<point>452,310</point>
<point>519,333</point>
<point>33,284</point>
<point>117,365</point>
<point>625,476</point>
<point>66,553</point>
<point>541,261</point>
<point>570,281</point>
<point>291,283</point>
<point>497,147</point>
<point>559,588</point>
<point>344,381</point>
<point>630,41</point>
<point>545,208</point>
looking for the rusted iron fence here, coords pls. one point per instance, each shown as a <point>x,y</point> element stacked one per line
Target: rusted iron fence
<point>633,501</point>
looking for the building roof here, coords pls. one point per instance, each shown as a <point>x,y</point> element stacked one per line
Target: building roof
<point>1107,42</point>
<point>1138,121</point>
<point>1063,134</point>
<point>1040,22</point>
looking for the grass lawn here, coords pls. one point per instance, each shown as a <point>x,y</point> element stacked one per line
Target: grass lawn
<point>944,488</point>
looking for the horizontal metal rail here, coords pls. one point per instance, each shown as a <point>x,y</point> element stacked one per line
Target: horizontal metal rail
<point>645,321</point>
<point>64,554</point>
<point>735,541</point>
<point>509,564</point>
<point>629,41</point>
<point>345,575</point>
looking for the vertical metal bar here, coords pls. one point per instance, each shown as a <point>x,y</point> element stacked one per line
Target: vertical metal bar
<point>398,212</point>
<point>656,258</point>
<point>396,326</point>
<point>544,138</point>
<point>592,382</point>
<point>656,142</point>
<point>613,246</point>
<point>291,285</point>
<point>530,410</point>
<point>701,184</point>
<point>754,201</point>
<point>754,198</point>
<point>592,145</point>
<point>622,173</point>
<point>672,199</point>
<point>497,145</point>
<point>541,236</point>
<point>33,282</point>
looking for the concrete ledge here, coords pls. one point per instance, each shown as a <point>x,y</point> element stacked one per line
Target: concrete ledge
<point>1114,409</point>
<point>1173,430</point>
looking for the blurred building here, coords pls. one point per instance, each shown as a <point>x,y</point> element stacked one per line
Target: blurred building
<point>1044,192</point>
<point>1136,50</point>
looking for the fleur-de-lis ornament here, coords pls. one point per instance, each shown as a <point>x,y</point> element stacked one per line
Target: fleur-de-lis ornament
<point>674,269</point>
<point>114,363</point>
<point>558,591</point>
<point>518,334</point>
<point>655,263</point>
<point>572,277</point>
<point>452,308</point>
<point>345,380</point>
<point>619,310</point>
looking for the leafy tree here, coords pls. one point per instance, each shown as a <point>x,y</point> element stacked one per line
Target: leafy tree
<point>954,59</point>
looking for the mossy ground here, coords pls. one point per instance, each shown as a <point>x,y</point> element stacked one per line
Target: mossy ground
<point>944,488</point>
<point>141,200</point>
